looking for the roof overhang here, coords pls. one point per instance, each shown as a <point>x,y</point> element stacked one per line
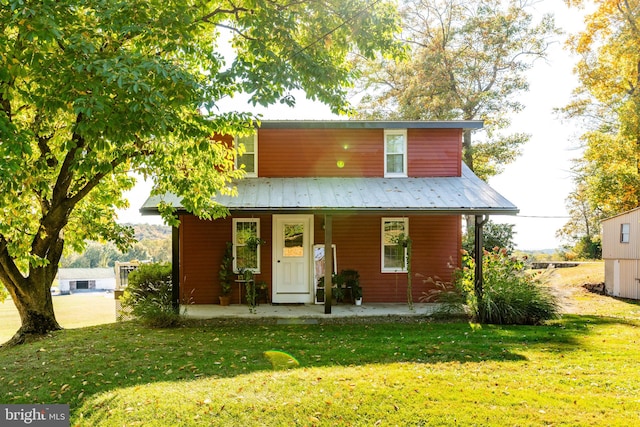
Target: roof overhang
<point>464,195</point>
<point>366,124</point>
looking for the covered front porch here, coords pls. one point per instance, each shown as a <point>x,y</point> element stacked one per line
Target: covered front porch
<point>301,312</point>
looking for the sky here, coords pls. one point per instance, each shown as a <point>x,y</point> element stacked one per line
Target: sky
<point>538,182</point>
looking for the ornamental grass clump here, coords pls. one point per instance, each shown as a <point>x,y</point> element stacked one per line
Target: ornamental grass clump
<point>512,294</point>
<point>148,296</point>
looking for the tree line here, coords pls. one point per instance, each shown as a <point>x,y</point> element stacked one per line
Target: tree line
<point>606,105</point>
<point>153,244</point>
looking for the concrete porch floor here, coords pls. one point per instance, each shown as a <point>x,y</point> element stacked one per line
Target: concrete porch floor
<point>310,311</point>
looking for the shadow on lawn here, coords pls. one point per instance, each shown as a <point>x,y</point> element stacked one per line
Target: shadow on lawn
<point>73,365</point>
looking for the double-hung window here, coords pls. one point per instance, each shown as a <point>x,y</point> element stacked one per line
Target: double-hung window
<point>395,153</point>
<point>247,147</point>
<point>394,253</point>
<point>624,233</point>
<point>246,248</point>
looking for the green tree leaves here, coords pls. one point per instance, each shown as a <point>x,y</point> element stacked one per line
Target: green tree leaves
<point>467,62</point>
<point>91,90</point>
<point>607,103</point>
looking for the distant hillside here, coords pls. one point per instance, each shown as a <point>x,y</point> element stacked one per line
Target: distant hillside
<point>151,231</point>
<point>540,251</point>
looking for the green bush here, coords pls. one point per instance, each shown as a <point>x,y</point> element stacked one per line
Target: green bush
<point>148,296</point>
<point>512,294</point>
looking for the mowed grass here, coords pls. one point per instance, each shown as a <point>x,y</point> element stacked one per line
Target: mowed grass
<point>72,311</point>
<point>585,272</point>
<point>577,371</point>
<point>581,370</point>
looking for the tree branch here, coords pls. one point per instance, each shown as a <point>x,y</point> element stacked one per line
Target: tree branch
<point>237,31</point>
<point>9,272</point>
<point>65,176</point>
<point>219,11</point>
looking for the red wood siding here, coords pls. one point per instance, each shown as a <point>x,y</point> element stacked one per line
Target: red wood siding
<point>434,152</point>
<point>436,244</point>
<point>202,245</point>
<point>317,152</point>
<point>354,152</point>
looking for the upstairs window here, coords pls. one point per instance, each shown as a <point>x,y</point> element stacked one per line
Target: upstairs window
<point>394,254</point>
<point>246,248</point>
<point>395,153</point>
<point>624,233</point>
<point>248,146</point>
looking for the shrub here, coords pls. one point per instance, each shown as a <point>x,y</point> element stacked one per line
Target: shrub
<point>148,296</point>
<point>512,294</point>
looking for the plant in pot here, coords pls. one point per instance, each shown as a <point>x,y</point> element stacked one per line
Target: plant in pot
<point>351,280</point>
<point>225,275</point>
<point>251,292</point>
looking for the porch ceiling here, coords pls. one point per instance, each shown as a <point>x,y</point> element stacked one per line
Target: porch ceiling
<point>466,194</point>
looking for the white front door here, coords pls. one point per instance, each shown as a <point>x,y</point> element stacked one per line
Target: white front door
<point>292,242</point>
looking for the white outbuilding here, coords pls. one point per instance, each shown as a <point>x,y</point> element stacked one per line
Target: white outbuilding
<point>621,254</point>
<point>86,279</point>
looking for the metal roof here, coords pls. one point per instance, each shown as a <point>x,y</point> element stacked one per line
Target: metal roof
<point>375,124</point>
<point>466,194</point>
<point>86,273</point>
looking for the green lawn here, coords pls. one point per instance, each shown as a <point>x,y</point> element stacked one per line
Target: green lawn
<point>579,370</point>
<point>72,311</point>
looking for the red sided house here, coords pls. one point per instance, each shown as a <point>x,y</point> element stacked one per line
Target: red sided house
<point>354,186</point>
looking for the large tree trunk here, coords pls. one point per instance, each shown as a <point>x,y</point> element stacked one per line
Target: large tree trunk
<point>35,306</point>
<point>32,294</point>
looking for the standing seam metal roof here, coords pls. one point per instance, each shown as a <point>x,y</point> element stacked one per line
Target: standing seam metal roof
<point>466,194</point>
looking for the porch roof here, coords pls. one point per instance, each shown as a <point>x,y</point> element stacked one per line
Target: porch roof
<point>466,194</point>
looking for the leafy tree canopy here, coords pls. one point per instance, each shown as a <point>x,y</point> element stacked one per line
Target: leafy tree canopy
<point>92,89</point>
<point>494,235</point>
<point>607,101</point>
<point>467,62</point>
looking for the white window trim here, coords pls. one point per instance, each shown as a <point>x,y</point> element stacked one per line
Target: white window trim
<point>623,234</point>
<point>404,172</point>
<point>235,244</point>
<point>406,232</point>
<point>255,155</point>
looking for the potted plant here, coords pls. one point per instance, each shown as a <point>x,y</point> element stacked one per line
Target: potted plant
<point>247,276</point>
<point>254,241</point>
<point>351,280</point>
<point>225,275</point>
<point>356,291</point>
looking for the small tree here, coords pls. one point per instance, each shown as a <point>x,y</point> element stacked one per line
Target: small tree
<point>493,235</point>
<point>225,274</point>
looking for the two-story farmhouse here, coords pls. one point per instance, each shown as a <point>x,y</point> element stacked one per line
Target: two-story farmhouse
<point>352,185</point>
